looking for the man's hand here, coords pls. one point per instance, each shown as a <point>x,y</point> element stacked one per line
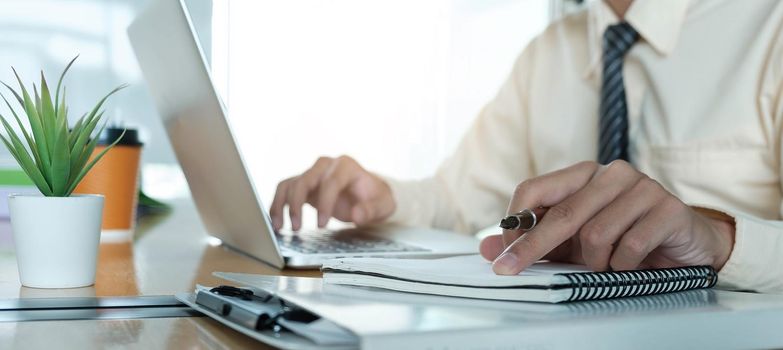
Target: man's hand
<point>337,187</point>
<point>609,217</point>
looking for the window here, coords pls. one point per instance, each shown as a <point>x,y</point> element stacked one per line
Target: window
<point>393,83</point>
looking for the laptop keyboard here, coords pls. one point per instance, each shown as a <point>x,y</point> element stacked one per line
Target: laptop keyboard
<point>329,242</point>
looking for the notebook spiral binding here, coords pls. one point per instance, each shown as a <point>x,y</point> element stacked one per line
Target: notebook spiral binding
<point>619,284</point>
<point>663,302</point>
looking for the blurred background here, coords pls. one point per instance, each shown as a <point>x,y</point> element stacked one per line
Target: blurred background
<point>393,83</point>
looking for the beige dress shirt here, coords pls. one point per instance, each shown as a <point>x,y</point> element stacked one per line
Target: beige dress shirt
<point>704,92</point>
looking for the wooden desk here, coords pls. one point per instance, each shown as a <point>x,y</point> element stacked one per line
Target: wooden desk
<point>170,254</point>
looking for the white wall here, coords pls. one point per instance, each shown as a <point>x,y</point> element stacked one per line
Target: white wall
<point>45,34</point>
<point>393,83</point>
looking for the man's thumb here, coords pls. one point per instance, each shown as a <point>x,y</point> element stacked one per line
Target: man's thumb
<point>371,211</point>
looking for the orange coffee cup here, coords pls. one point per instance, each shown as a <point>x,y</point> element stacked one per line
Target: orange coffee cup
<point>115,176</point>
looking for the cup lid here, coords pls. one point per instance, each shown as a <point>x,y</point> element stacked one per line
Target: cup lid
<point>109,135</point>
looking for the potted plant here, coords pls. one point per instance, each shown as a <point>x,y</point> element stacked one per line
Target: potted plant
<point>56,234</point>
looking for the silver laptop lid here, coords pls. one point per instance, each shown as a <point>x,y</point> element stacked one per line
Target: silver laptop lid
<point>176,72</point>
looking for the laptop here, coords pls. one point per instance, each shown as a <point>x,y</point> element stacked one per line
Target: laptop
<point>168,51</point>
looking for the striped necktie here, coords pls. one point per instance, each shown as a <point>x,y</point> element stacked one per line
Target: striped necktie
<point>613,132</point>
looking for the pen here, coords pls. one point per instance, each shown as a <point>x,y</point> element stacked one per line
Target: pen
<point>524,220</point>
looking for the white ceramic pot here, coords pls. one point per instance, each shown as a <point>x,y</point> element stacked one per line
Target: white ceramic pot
<point>56,239</point>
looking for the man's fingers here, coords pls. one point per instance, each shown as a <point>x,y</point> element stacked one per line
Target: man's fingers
<point>371,211</point>
<point>547,190</point>
<point>276,209</point>
<point>551,188</point>
<point>491,247</point>
<point>599,235</point>
<point>296,197</point>
<point>647,234</point>
<point>322,185</point>
<point>566,218</point>
<point>300,188</point>
<point>363,213</point>
<point>339,176</point>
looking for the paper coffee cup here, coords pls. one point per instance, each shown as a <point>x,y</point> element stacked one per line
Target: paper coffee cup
<point>115,176</point>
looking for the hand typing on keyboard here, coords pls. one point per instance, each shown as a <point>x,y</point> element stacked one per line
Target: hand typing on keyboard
<point>336,187</point>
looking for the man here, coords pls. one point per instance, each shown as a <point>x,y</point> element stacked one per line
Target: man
<point>648,130</point>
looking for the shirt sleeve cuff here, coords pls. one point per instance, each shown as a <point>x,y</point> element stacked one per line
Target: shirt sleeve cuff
<point>756,261</point>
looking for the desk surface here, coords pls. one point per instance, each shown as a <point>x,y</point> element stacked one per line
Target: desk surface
<point>170,253</point>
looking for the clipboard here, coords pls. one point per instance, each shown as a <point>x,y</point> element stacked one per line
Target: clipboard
<point>382,319</point>
<point>267,318</point>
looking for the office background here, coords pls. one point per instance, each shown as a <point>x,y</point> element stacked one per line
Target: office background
<point>393,83</point>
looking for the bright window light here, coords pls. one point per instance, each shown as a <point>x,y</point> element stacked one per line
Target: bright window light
<point>393,84</point>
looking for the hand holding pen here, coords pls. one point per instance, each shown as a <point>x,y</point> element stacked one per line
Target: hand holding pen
<point>606,217</point>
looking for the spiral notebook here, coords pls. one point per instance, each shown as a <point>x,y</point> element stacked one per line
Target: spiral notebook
<point>471,277</point>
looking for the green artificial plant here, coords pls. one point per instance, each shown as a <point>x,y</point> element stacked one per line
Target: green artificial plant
<point>54,156</point>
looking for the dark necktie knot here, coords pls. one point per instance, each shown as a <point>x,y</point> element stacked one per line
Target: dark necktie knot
<point>619,38</point>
